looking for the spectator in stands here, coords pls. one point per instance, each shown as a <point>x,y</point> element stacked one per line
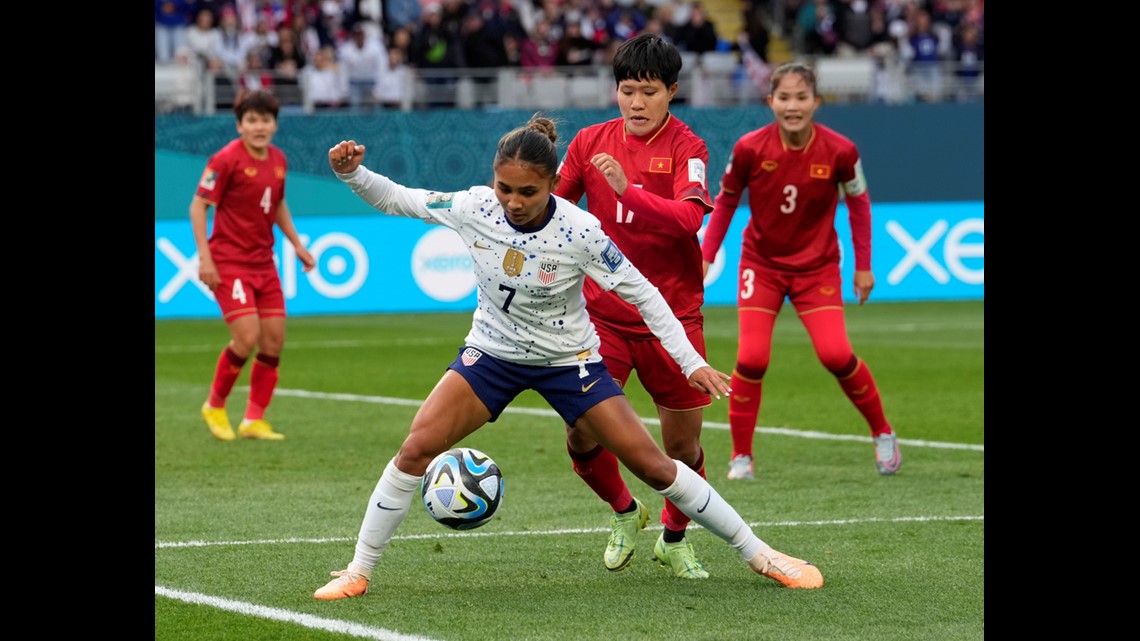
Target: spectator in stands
<point>172,19</point>
<point>393,80</point>
<point>540,49</point>
<point>435,47</point>
<point>575,49</point>
<point>757,29</point>
<point>626,23</point>
<point>401,14</point>
<point>402,40</point>
<point>307,38</point>
<point>325,82</point>
<point>818,29</point>
<point>970,54</point>
<point>262,40</point>
<point>924,61</point>
<point>254,75</point>
<point>233,45</point>
<point>203,43</point>
<point>666,14</point>
<point>286,61</point>
<point>363,58</point>
<point>482,42</point>
<point>698,35</point>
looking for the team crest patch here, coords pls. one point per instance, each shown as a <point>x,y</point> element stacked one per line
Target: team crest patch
<point>820,171</point>
<point>279,172</point>
<point>769,165</point>
<point>440,201</point>
<point>547,272</point>
<point>470,355</point>
<point>612,257</point>
<point>250,171</point>
<point>209,180</point>
<point>827,290</point>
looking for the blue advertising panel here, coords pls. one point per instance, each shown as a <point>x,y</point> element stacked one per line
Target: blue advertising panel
<point>919,251</point>
<point>377,264</point>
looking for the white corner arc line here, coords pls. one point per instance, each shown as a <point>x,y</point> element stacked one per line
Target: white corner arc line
<point>277,614</point>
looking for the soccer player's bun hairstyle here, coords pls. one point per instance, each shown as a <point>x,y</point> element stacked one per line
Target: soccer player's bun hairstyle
<point>531,145</point>
<point>544,126</point>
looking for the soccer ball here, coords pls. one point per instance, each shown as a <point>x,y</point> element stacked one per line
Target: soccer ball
<point>462,488</point>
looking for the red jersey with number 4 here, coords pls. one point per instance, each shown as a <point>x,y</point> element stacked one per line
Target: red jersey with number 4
<point>245,193</point>
<point>671,163</point>
<point>793,195</point>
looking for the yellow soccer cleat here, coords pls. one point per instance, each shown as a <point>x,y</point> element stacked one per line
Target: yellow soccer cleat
<point>346,584</point>
<point>259,429</point>
<point>679,558</point>
<point>622,543</point>
<point>218,422</point>
<point>788,570</point>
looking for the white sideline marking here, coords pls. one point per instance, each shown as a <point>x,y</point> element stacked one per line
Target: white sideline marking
<point>471,535</point>
<point>534,411</point>
<point>213,347</point>
<point>277,614</point>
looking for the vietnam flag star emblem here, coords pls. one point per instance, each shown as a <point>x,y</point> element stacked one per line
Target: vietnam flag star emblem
<point>661,165</point>
<point>821,171</point>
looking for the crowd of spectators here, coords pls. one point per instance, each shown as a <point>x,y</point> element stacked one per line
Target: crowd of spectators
<point>355,54</point>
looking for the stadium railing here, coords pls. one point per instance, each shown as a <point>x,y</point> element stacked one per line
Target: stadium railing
<point>715,80</point>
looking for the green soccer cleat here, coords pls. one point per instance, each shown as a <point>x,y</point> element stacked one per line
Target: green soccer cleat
<point>680,558</point>
<point>620,549</point>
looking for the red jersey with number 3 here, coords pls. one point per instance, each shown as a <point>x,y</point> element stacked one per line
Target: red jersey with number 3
<point>792,195</point>
<point>671,163</point>
<point>245,193</point>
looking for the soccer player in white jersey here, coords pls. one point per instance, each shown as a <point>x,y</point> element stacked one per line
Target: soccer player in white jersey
<point>532,254</point>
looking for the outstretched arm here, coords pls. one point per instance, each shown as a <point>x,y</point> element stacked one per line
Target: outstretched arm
<point>638,291</point>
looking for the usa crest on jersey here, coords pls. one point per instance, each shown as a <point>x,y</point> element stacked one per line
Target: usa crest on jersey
<point>470,355</point>
<point>547,272</point>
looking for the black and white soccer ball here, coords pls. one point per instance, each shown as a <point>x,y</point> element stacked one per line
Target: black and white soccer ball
<point>462,488</point>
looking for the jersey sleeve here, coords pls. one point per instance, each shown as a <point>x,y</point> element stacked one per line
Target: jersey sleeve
<point>571,183</point>
<point>214,180</point>
<point>732,185</point>
<point>691,181</point>
<point>607,266</point>
<point>392,198</point>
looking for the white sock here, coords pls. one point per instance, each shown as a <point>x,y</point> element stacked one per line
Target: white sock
<point>394,491</point>
<point>700,502</point>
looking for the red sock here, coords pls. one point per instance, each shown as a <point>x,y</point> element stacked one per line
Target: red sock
<point>262,382</point>
<point>743,410</point>
<point>859,386</point>
<point>225,375</point>
<point>672,516</point>
<point>599,469</point>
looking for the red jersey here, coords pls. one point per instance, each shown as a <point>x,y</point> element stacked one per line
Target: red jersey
<point>245,193</point>
<point>670,163</point>
<point>793,195</point>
